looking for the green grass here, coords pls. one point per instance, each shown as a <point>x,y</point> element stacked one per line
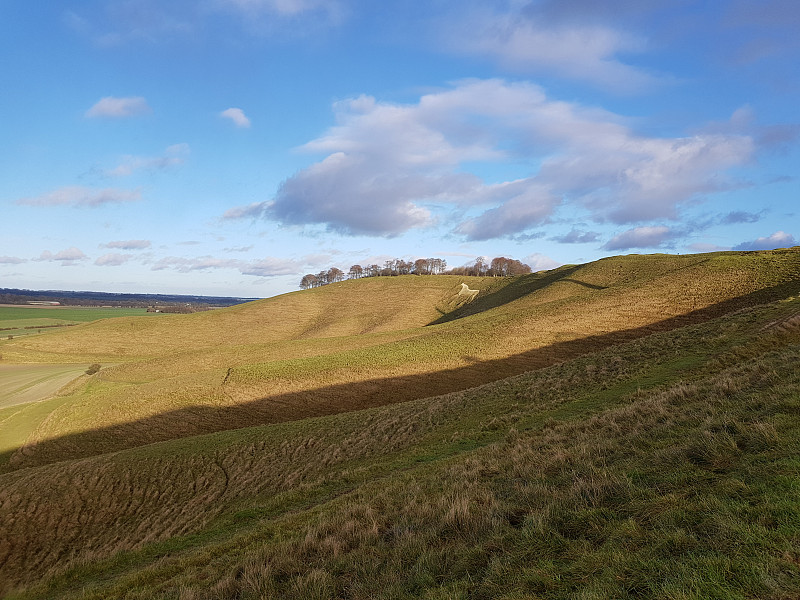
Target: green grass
<point>29,383</point>
<point>27,320</point>
<point>663,468</point>
<point>622,429</point>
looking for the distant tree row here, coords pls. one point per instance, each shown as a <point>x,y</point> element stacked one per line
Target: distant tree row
<point>498,267</point>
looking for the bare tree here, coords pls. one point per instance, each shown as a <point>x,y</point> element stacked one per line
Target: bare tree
<point>335,274</point>
<point>308,281</point>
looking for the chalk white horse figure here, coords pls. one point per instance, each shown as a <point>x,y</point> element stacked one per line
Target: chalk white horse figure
<point>467,293</point>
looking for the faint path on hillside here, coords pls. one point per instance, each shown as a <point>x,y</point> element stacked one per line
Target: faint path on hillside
<point>21,384</point>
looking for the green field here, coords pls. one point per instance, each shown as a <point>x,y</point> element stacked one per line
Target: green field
<point>27,320</point>
<point>623,429</point>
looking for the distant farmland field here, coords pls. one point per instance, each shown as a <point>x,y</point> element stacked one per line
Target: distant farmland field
<point>22,384</point>
<point>26,320</point>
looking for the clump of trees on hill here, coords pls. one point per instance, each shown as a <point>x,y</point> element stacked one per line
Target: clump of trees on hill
<point>482,267</point>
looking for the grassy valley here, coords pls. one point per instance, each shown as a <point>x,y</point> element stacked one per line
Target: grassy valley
<point>621,429</point>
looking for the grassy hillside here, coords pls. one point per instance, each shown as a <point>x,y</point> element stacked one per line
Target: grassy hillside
<point>665,467</point>
<point>367,343</point>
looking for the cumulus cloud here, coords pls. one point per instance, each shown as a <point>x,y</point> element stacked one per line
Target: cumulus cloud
<point>79,196</point>
<point>11,260</point>
<point>112,260</point>
<point>128,244</point>
<point>779,239</point>
<point>387,166</point>
<point>173,156</point>
<point>532,206</point>
<point>237,116</point>
<point>68,257</point>
<point>640,237</point>
<point>119,108</point>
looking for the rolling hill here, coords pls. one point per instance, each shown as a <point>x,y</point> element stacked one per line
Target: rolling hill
<point>612,429</point>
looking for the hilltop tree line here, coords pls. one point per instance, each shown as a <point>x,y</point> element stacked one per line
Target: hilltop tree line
<point>482,267</point>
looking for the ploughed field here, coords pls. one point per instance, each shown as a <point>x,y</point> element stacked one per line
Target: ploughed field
<point>624,428</point>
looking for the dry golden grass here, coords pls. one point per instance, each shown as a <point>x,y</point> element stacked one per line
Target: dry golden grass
<point>341,347</point>
<point>620,473</point>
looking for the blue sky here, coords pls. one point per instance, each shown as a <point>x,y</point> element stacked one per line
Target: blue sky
<point>227,147</point>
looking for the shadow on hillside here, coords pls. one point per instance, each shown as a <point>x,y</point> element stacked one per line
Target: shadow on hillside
<point>519,287</point>
<point>353,396</point>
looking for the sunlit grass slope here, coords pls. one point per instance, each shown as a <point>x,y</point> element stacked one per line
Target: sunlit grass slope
<point>666,467</point>
<point>347,308</point>
<point>371,342</point>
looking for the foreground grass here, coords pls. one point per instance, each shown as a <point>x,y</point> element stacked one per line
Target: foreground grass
<point>341,347</point>
<point>665,468</point>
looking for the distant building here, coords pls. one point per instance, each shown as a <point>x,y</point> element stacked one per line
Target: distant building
<point>43,303</point>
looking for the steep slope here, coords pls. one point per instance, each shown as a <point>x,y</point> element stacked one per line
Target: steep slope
<point>304,365</point>
<point>665,467</point>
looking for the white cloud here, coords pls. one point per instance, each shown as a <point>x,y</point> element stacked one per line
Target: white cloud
<point>576,236</point>
<point>173,156</point>
<point>387,167</point>
<point>271,267</point>
<point>186,265</point>
<point>779,239</point>
<point>265,267</point>
<point>11,260</point>
<point>528,42</point>
<point>640,237</point>
<point>112,260</point>
<point>79,196</point>
<point>128,244</point>
<point>237,116</point>
<point>250,211</point>
<point>531,206</point>
<point>68,257</point>
<point>118,108</point>
<point>540,262</point>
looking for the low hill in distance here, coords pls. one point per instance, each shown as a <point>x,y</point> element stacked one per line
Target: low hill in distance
<point>86,298</point>
<point>614,429</point>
